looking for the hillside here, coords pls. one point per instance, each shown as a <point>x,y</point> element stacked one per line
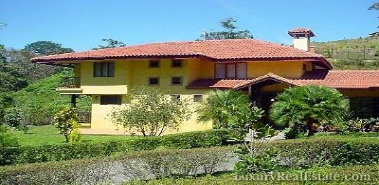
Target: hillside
<point>361,53</point>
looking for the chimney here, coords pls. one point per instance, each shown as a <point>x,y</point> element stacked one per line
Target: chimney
<point>301,38</point>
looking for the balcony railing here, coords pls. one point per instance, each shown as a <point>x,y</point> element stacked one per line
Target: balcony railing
<point>84,117</point>
<point>70,82</point>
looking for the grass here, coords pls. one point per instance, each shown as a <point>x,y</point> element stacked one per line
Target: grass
<point>354,174</point>
<point>48,134</point>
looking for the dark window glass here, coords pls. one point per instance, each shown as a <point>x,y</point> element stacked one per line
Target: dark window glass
<point>176,63</point>
<point>153,81</point>
<point>110,100</point>
<point>176,81</point>
<point>103,69</point>
<point>154,63</point>
<point>232,70</point>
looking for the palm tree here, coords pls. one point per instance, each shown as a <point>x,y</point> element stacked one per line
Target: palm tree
<point>303,106</point>
<point>228,109</point>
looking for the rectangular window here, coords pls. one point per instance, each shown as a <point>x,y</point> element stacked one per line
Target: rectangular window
<point>153,81</point>
<point>198,98</point>
<point>241,70</point>
<point>103,69</point>
<point>177,63</point>
<point>176,81</point>
<point>110,99</point>
<point>231,70</point>
<point>220,70</point>
<point>154,63</point>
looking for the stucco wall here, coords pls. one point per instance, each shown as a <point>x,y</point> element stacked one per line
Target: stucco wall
<point>132,73</point>
<point>287,69</point>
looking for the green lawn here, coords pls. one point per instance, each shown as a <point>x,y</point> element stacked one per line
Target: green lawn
<point>39,135</point>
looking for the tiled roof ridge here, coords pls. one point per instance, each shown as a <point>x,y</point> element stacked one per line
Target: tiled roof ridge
<point>205,48</point>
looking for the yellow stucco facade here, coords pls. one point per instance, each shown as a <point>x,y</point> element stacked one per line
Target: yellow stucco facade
<point>136,72</point>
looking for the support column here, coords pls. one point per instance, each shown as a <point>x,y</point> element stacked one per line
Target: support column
<point>73,100</point>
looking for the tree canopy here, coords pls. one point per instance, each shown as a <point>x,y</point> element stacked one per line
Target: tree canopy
<point>47,48</point>
<point>111,44</point>
<point>151,112</point>
<point>229,32</point>
<point>374,6</point>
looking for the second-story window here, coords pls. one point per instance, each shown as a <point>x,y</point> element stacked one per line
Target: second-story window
<point>230,70</point>
<point>176,63</point>
<point>103,69</point>
<point>154,63</point>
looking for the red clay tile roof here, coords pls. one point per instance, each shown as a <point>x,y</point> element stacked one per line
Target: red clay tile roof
<point>339,79</point>
<point>344,79</point>
<point>301,30</point>
<point>273,77</point>
<point>218,50</point>
<point>218,83</point>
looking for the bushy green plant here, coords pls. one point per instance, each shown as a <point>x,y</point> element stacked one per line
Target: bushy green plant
<point>196,139</point>
<point>228,109</point>
<point>266,161</point>
<point>12,117</point>
<point>306,105</point>
<point>151,112</point>
<point>44,153</point>
<point>7,139</point>
<point>135,165</point>
<point>66,122</point>
<point>305,153</point>
<point>292,133</point>
<point>75,135</point>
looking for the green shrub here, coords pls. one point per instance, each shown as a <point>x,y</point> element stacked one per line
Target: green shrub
<point>363,175</point>
<point>33,154</point>
<point>195,139</point>
<point>136,165</point>
<point>12,117</point>
<point>291,133</point>
<point>304,153</point>
<point>266,161</point>
<point>7,139</point>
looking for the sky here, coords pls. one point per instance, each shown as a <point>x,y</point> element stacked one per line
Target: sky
<point>81,24</point>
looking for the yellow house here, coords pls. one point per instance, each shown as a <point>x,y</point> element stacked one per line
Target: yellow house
<point>191,69</point>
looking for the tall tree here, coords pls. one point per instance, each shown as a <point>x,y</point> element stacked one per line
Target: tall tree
<point>47,48</point>
<point>111,44</point>
<point>374,6</point>
<point>229,32</point>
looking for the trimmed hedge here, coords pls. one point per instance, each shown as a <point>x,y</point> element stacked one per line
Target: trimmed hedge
<point>355,175</point>
<point>149,164</point>
<point>44,153</point>
<point>116,169</point>
<point>304,153</point>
